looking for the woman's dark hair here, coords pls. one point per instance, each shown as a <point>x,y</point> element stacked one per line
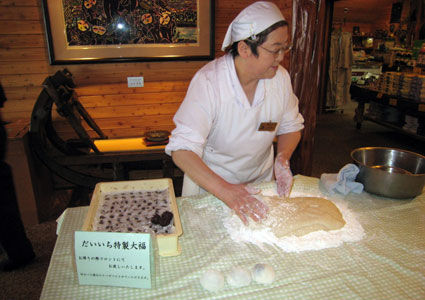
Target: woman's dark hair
<point>260,39</point>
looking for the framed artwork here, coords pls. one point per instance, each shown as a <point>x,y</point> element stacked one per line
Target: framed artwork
<point>90,31</point>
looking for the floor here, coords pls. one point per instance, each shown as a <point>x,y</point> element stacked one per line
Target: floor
<point>336,136</point>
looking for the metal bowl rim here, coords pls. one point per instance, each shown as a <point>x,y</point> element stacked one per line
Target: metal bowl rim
<point>385,148</point>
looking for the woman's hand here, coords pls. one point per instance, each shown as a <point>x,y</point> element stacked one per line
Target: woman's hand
<point>283,175</point>
<point>236,196</point>
<point>239,198</point>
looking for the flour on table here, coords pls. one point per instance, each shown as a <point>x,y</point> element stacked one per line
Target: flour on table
<point>324,224</point>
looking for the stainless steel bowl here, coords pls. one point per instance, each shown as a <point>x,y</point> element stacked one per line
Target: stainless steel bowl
<point>390,172</point>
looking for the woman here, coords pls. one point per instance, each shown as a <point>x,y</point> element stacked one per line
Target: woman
<point>235,106</point>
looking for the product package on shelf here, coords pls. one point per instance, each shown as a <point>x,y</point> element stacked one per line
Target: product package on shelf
<point>406,85</point>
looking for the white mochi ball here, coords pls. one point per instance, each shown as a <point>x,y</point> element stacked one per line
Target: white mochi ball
<point>263,274</point>
<point>238,277</point>
<point>212,280</point>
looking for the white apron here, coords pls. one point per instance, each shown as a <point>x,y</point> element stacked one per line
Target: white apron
<point>235,149</point>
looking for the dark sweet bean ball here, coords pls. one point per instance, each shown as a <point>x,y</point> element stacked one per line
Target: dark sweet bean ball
<point>156,219</point>
<point>166,218</point>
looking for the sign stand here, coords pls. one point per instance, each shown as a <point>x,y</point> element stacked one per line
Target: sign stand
<point>114,259</point>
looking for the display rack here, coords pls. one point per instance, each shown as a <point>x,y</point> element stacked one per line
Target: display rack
<point>404,106</point>
<point>359,43</point>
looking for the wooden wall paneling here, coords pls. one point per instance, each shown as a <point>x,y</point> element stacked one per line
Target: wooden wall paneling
<point>22,54</point>
<point>150,87</point>
<point>20,3</point>
<point>24,61</point>
<point>118,110</point>
<point>29,13</point>
<point>19,80</point>
<point>18,106</point>
<point>125,112</point>
<point>24,64</point>
<point>18,117</point>
<point>135,122</point>
<point>121,127</point>
<point>23,93</point>
<point>133,110</point>
<point>20,27</point>
<point>14,41</point>
<point>89,74</point>
<point>21,67</point>
<point>131,99</point>
<point>11,41</point>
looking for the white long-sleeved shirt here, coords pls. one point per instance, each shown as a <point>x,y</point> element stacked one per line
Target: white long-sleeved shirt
<point>202,123</point>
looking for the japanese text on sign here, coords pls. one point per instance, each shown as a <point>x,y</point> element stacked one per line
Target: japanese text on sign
<point>114,259</point>
<point>115,245</point>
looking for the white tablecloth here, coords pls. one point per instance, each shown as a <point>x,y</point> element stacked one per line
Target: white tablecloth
<point>388,263</point>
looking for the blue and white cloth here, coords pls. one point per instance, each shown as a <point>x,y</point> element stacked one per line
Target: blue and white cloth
<point>344,182</point>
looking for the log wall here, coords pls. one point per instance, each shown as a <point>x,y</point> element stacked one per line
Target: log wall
<point>102,88</point>
<point>24,65</point>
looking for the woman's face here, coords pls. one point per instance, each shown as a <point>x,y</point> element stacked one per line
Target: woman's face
<point>269,57</point>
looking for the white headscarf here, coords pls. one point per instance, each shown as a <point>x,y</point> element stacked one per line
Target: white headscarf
<point>251,21</point>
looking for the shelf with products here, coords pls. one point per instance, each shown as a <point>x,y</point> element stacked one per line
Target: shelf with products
<point>397,59</point>
<point>362,42</point>
<point>359,69</point>
<point>398,113</point>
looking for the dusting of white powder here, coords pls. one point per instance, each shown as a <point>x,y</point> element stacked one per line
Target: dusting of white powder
<point>352,231</point>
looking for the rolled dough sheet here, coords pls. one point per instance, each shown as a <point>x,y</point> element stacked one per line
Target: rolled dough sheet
<point>300,215</point>
<point>292,238</point>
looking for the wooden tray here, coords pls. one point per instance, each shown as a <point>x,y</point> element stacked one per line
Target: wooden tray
<point>168,244</point>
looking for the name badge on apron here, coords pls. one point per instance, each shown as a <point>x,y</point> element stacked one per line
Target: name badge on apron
<point>267,126</point>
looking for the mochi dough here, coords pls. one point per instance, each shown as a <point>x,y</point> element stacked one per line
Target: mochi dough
<point>299,216</point>
<point>238,277</point>
<point>263,273</point>
<point>212,280</point>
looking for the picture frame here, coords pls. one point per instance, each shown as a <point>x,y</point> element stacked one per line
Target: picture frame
<point>100,31</point>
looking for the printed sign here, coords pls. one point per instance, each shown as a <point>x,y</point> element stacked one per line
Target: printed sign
<point>114,259</point>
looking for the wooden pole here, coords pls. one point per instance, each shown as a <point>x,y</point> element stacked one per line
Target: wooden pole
<point>310,23</point>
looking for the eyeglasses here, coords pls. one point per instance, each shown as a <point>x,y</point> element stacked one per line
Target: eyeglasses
<point>279,51</point>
